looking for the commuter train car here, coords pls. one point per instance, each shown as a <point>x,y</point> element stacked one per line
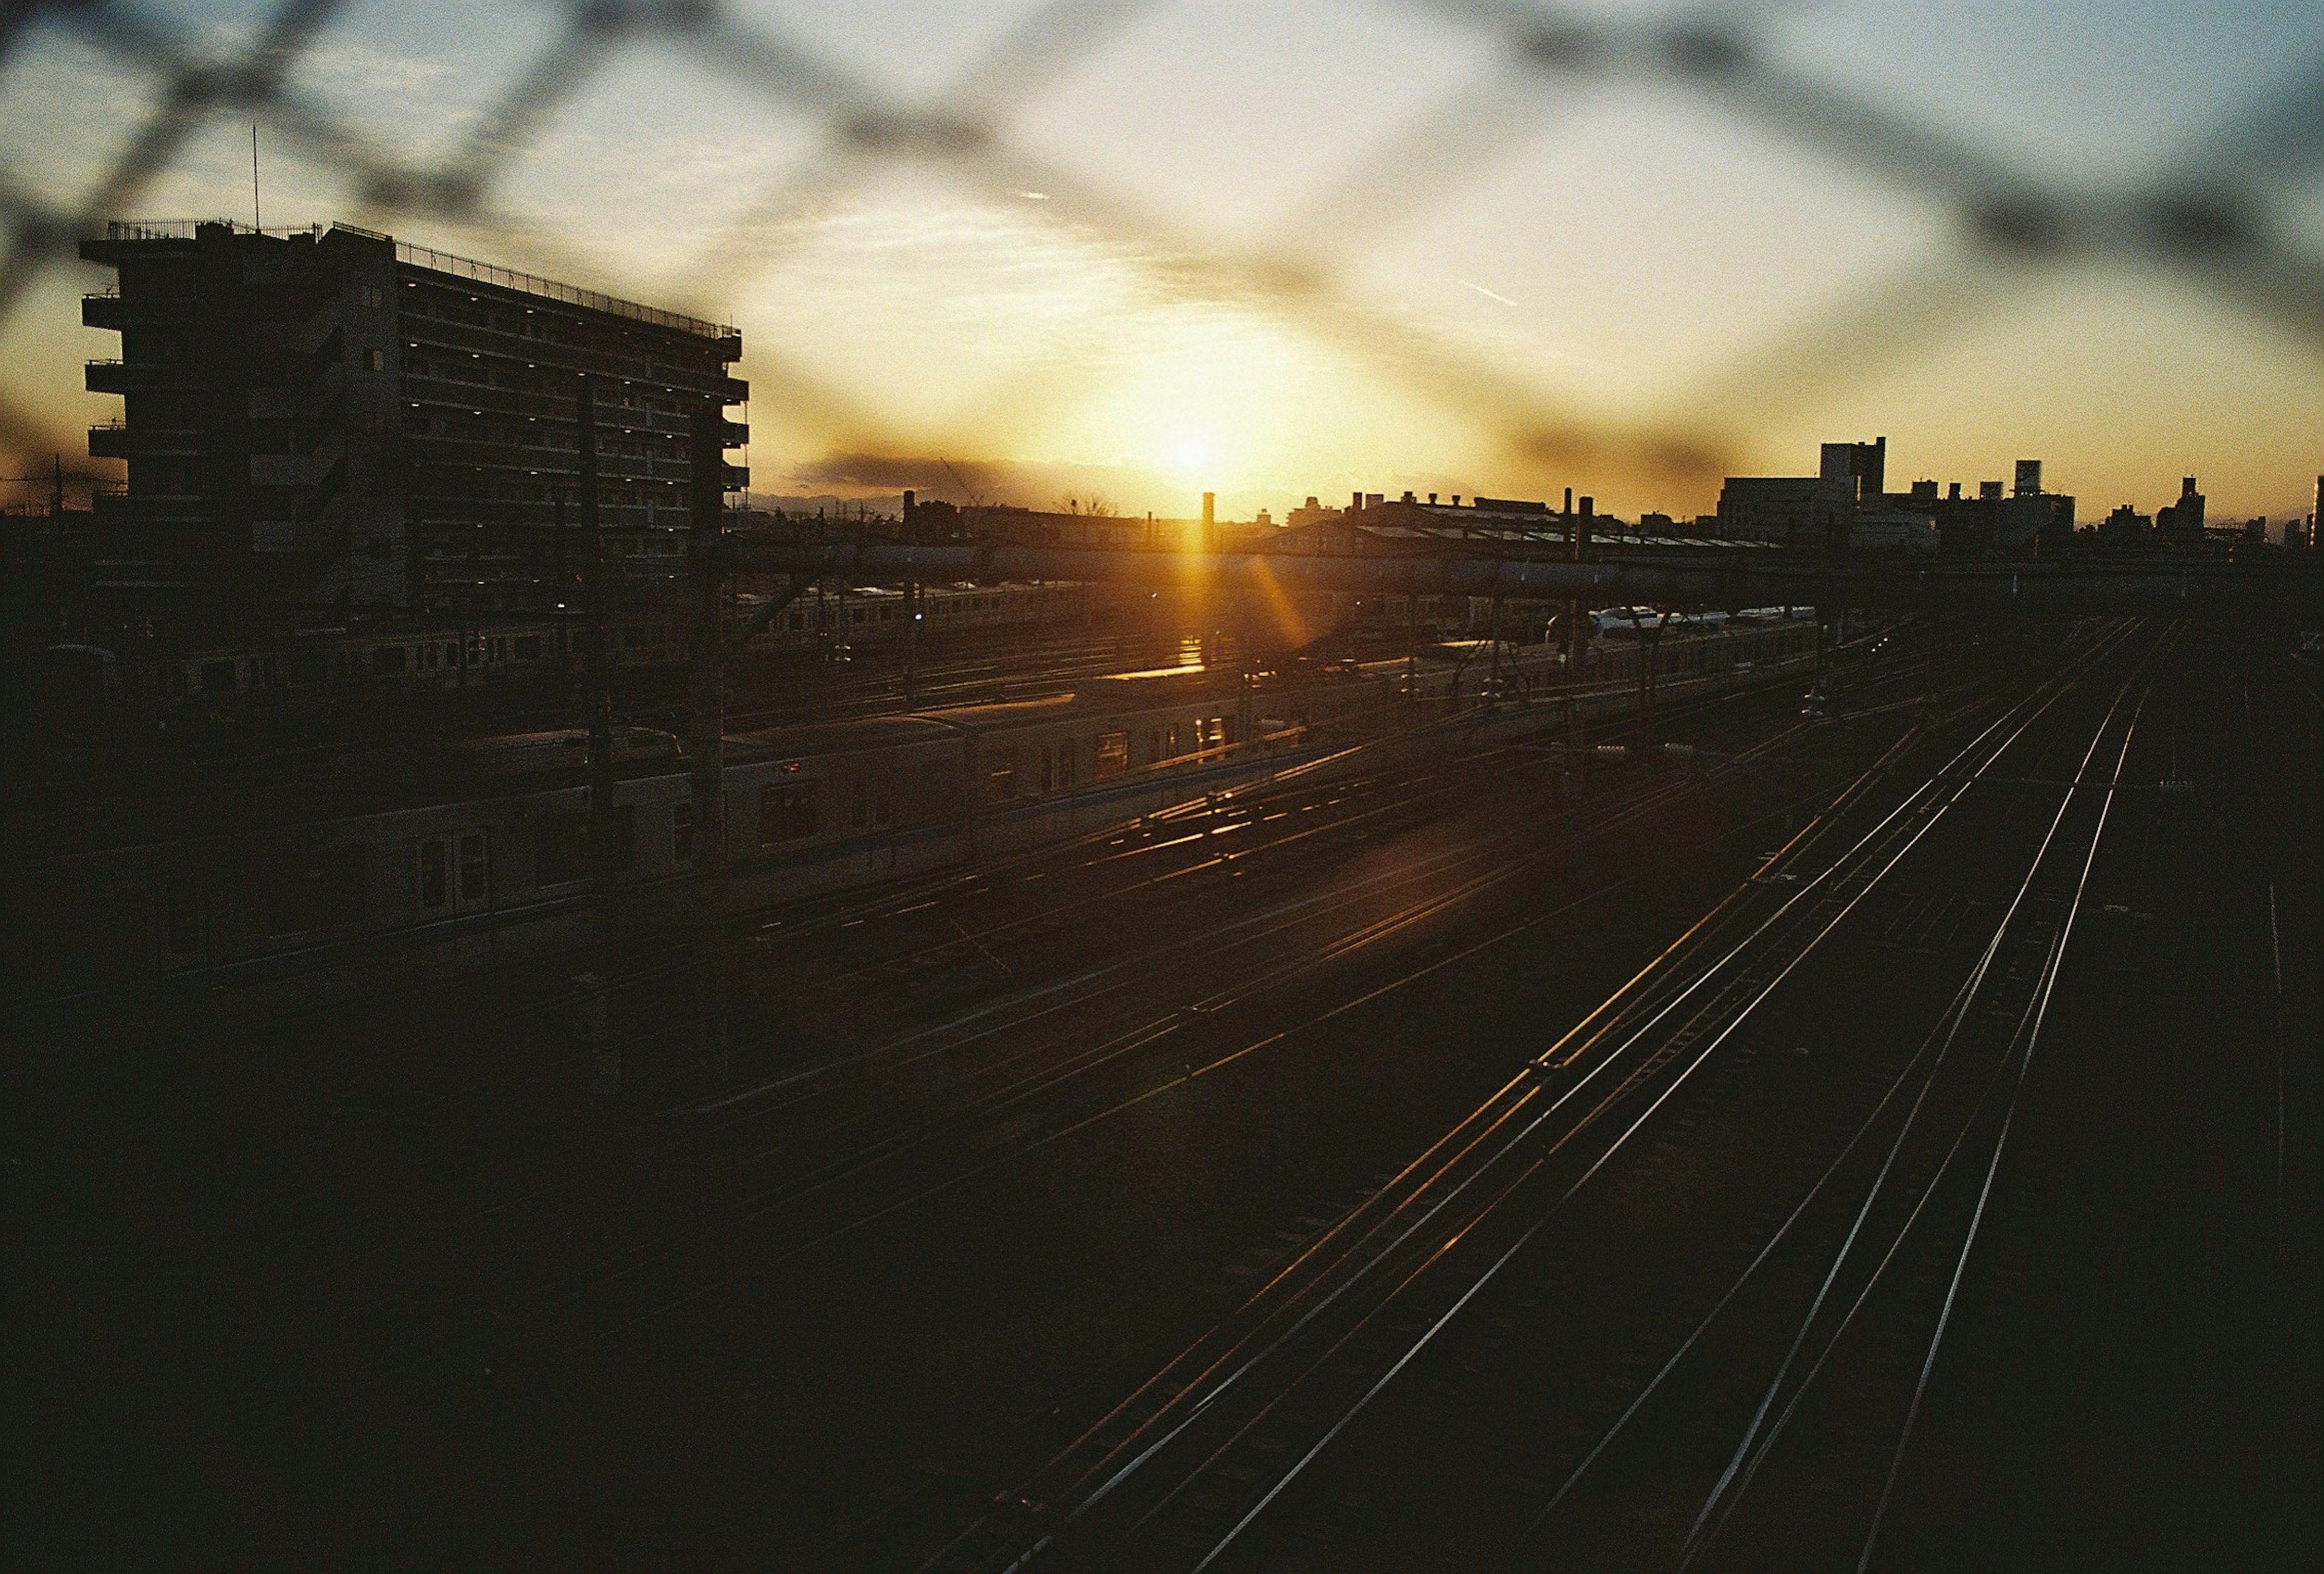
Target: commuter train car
<point>480,851</point>
<point>871,614</point>
<point>808,810</point>
<point>313,670</point>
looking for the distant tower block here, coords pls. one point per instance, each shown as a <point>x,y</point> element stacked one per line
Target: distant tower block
<point>2029,477</point>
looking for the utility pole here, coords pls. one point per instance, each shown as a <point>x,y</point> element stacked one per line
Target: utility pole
<point>911,613</point>
<point>562,605</point>
<point>1649,658</point>
<point>911,643</point>
<point>706,574</point>
<point>606,1068</point>
<point>1577,611</point>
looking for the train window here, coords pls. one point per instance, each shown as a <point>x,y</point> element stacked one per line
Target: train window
<point>681,833</point>
<point>434,876</point>
<point>789,811</point>
<point>315,891</point>
<point>182,917</point>
<point>1154,746</point>
<point>1000,773</point>
<point>1065,765</point>
<point>1170,742</point>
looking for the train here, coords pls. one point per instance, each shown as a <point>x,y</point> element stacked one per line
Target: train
<point>82,688</point>
<point>469,854</point>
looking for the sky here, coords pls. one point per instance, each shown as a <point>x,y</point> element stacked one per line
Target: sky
<point>1281,247</point>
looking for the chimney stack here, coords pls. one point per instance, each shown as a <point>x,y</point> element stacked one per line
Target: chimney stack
<point>1210,509</point>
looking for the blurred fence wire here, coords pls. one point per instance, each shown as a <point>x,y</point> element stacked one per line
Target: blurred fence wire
<point>2212,215</point>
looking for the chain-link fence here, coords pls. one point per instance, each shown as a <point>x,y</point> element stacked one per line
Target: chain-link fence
<point>2230,212</point>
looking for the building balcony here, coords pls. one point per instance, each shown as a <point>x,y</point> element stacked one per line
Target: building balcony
<point>137,376</point>
<point>153,508</point>
<point>120,440</point>
<point>109,309</point>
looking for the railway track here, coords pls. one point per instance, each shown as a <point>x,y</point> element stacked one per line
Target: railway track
<point>1030,1094</point>
<point>1193,1469</point>
<point>1004,1090</point>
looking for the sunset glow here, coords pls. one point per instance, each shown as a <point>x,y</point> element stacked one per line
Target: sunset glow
<point>1627,259</point>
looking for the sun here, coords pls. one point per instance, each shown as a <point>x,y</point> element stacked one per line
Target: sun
<point>1192,455</point>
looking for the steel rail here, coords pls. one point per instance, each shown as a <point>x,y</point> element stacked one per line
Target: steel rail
<point>1524,1088</point>
<point>2025,1057</point>
<point>1751,1449</point>
<point>627,1263</point>
<point>1631,810</point>
<point>1713,1041</point>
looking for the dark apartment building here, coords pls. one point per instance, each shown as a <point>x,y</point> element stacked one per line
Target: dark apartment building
<point>330,418</point>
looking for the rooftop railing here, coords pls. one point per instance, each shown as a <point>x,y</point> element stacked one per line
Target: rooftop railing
<point>429,257</point>
<point>420,256</point>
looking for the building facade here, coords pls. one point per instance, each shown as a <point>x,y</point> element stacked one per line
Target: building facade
<point>330,419</point>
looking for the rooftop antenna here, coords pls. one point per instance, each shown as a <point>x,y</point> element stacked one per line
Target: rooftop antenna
<point>253,175</point>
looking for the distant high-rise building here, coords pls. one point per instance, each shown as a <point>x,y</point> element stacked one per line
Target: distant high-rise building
<point>1806,510</point>
<point>2182,521</point>
<point>2125,527</point>
<point>2029,478</point>
<point>1865,465</point>
<point>332,418</point>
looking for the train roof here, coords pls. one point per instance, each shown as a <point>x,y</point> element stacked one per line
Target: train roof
<point>995,715</point>
<point>822,738</point>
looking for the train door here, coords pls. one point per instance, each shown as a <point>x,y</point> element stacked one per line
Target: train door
<point>455,873</point>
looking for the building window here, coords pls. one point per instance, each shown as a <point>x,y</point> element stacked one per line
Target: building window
<point>789,811</point>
